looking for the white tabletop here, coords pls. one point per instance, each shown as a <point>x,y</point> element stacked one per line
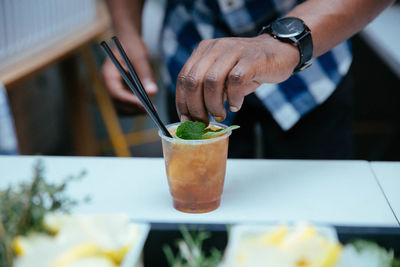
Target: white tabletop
<point>334,192</point>
<point>383,36</point>
<point>388,175</point>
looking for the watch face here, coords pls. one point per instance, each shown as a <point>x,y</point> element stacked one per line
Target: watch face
<point>287,27</point>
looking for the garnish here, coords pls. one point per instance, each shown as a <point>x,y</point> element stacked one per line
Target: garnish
<point>367,250</point>
<point>194,130</point>
<point>190,130</point>
<point>212,134</point>
<point>191,252</point>
<point>23,208</point>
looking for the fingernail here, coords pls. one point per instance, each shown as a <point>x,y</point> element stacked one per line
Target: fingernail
<point>233,109</point>
<point>218,118</point>
<point>150,86</point>
<point>184,118</point>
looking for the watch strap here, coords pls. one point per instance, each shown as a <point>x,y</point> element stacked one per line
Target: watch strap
<point>265,29</point>
<point>305,45</point>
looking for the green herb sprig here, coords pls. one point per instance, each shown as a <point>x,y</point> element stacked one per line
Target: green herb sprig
<point>386,257</point>
<point>190,252</point>
<point>23,208</point>
<point>194,130</point>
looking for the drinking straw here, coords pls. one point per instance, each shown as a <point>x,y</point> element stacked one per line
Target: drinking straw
<point>138,90</point>
<point>132,72</point>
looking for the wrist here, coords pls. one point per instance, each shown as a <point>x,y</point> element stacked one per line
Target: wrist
<point>287,54</point>
<point>128,33</point>
<point>131,40</point>
<point>294,31</point>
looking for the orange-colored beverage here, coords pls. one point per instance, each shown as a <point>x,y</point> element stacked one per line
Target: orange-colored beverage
<point>195,170</point>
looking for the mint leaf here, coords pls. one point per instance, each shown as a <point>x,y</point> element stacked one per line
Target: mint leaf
<point>194,130</point>
<point>190,130</point>
<point>211,134</point>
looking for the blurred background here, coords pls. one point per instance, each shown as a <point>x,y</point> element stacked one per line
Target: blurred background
<point>50,62</point>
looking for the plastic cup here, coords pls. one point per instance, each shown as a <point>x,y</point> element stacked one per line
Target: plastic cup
<point>195,170</point>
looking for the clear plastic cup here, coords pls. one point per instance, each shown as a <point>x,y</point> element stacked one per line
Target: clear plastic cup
<point>195,170</point>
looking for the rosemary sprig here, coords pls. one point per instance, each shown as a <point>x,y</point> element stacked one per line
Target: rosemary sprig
<point>190,252</point>
<point>23,208</point>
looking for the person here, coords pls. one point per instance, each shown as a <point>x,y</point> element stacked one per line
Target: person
<point>247,62</point>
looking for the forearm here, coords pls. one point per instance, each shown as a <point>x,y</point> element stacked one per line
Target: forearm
<point>334,21</point>
<point>126,16</point>
<point>127,21</point>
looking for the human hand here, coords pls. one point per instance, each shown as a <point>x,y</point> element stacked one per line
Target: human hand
<point>126,102</point>
<point>229,69</point>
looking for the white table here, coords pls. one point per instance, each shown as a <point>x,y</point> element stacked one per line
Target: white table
<point>335,192</point>
<point>388,175</point>
<point>382,34</point>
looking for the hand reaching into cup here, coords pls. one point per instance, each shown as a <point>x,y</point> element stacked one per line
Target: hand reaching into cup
<point>229,69</point>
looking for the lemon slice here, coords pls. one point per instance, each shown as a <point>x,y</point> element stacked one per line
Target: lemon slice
<point>77,253</point>
<point>22,245</point>
<point>92,262</point>
<point>83,239</point>
<point>300,245</point>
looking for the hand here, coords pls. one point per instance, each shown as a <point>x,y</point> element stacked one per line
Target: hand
<point>229,69</point>
<point>126,102</point>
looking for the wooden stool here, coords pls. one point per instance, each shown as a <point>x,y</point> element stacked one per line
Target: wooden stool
<point>63,52</point>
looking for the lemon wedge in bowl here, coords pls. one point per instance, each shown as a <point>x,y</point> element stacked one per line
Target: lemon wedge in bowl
<point>25,244</point>
<point>92,262</point>
<point>82,240</point>
<point>300,245</point>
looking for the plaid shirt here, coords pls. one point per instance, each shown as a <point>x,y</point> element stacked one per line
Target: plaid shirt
<point>188,22</point>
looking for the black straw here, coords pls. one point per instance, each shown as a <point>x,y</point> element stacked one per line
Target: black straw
<point>138,90</point>
<point>132,72</point>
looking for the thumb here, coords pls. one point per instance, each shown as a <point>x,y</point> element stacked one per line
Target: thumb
<point>145,74</point>
<point>150,86</point>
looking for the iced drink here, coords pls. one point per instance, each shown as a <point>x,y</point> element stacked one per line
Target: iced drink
<point>195,170</point>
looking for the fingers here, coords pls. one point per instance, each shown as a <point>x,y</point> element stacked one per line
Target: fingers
<point>145,73</point>
<point>116,85</point>
<point>126,102</point>
<point>214,85</point>
<point>240,83</point>
<point>180,101</point>
<point>214,73</point>
<point>189,93</point>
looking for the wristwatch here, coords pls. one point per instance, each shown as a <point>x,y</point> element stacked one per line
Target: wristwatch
<point>295,31</point>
